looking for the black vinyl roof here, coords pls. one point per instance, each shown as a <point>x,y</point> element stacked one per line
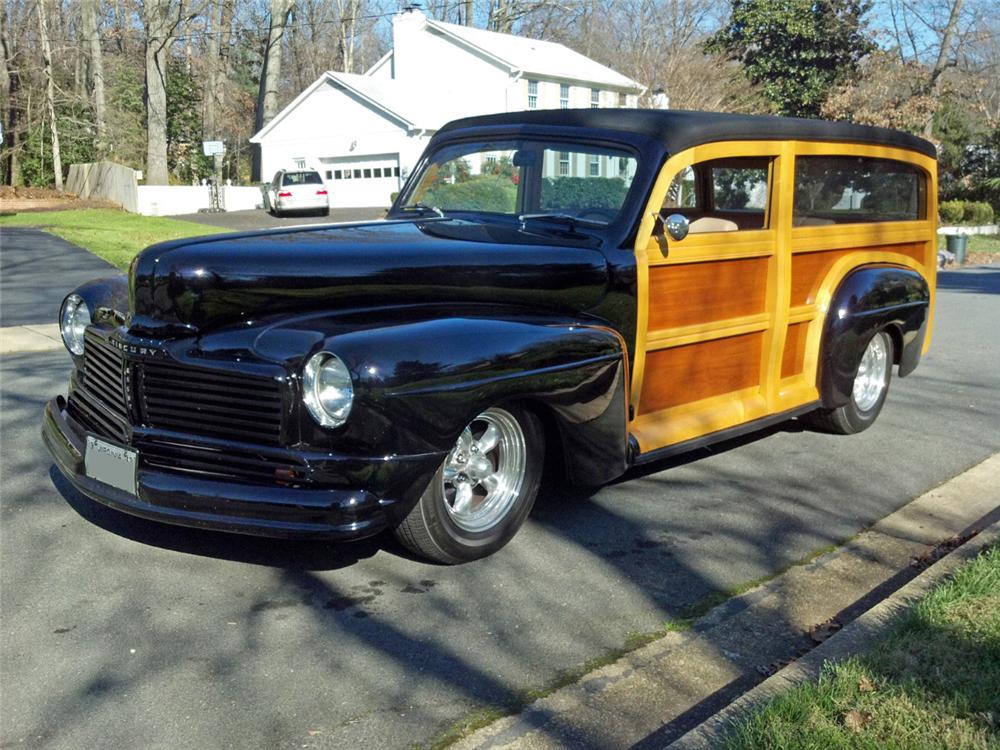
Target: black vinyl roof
<point>679,129</point>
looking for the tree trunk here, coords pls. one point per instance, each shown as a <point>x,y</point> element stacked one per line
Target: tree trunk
<point>942,60</point>
<point>50,94</point>
<point>270,76</point>
<point>95,72</point>
<point>6,102</point>
<point>348,10</point>
<point>156,17</point>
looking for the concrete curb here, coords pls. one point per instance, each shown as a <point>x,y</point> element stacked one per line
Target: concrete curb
<point>661,692</point>
<point>858,636</point>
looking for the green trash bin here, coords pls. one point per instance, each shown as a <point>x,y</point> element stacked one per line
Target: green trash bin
<point>957,243</point>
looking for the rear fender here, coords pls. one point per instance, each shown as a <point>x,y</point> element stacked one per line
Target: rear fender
<point>870,299</point>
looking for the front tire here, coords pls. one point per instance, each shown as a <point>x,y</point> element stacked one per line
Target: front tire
<point>868,393</point>
<point>482,492</point>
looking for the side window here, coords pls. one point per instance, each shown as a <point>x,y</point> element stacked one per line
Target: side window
<point>683,190</point>
<point>722,195</point>
<point>739,187</point>
<point>850,190</point>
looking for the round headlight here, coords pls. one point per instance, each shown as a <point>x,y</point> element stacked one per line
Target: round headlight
<point>73,321</point>
<point>327,389</point>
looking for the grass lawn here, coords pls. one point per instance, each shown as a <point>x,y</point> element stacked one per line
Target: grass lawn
<point>932,682</point>
<point>984,243</point>
<point>109,233</point>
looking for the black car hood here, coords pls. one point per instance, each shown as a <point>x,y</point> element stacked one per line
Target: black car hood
<point>197,284</point>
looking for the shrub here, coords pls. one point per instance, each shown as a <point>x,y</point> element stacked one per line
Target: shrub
<point>978,213</point>
<point>952,211</point>
<point>478,193</point>
<point>575,193</point>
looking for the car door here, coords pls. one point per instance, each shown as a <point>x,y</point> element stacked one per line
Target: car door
<point>713,306</point>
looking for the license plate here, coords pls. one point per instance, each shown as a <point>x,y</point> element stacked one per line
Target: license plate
<point>111,464</point>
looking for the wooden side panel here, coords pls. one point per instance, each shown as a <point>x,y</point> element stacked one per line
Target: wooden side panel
<point>688,373</point>
<point>809,269</point>
<point>793,358</point>
<point>691,293</point>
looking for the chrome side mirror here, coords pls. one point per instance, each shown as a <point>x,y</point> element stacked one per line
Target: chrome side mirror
<point>677,226</point>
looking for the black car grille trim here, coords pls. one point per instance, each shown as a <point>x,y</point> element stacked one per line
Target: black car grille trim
<point>99,402</point>
<point>231,464</point>
<point>240,407</point>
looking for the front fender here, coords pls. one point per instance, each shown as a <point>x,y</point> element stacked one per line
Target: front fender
<point>106,297</point>
<point>872,298</point>
<point>418,384</point>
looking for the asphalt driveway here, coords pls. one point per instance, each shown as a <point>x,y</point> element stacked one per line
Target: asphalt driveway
<point>37,269</point>
<point>240,221</point>
<point>117,632</point>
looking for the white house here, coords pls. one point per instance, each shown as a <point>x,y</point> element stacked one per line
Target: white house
<point>363,133</point>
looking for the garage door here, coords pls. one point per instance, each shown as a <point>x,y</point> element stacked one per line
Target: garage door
<point>361,181</point>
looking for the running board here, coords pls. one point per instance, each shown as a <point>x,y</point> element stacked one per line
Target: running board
<point>636,458</point>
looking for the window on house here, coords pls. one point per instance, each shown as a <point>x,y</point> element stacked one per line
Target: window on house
<point>532,94</point>
<point>368,172</point>
<point>564,96</point>
<point>377,172</point>
<point>347,174</point>
<point>357,174</point>
<point>329,174</point>
<point>395,172</point>
<point>622,99</point>
<point>563,163</point>
<point>595,99</point>
<point>300,163</point>
<point>595,165</point>
<point>337,174</point>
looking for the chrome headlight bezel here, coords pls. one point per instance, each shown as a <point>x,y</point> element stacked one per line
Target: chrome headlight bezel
<point>327,389</point>
<point>74,317</point>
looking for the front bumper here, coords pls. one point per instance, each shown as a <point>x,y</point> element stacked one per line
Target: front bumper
<point>271,510</point>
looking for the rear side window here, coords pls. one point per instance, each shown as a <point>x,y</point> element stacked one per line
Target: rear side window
<point>302,178</point>
<point>849,190</point>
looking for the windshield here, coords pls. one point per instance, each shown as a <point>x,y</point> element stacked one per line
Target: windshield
<point>524,179</point>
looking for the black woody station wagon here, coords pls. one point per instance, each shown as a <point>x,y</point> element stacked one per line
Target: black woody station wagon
<point>607,286</point>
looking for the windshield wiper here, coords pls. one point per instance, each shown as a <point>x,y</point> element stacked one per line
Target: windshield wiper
<point>423,207</point>
<point>568,219</point>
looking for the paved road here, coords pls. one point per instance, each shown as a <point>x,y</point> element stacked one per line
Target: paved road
<point>122,633</point>
<point>37,269</point>
<point>260,219</point>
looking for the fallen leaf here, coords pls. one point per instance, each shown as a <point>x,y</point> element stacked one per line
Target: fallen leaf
<point>855,720</point>
<point>865,685</point>
<point>824,630</point>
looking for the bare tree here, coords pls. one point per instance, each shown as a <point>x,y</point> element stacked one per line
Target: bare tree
<point>91,31</point>
<point>349,10</point>
<point>270,76</point>
<point>50,93</point>
<point>161,18</point>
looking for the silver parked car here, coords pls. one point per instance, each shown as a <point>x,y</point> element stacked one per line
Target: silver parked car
<point>295,191</point>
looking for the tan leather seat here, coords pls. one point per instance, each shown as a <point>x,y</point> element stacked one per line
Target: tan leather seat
<point>712,224</point>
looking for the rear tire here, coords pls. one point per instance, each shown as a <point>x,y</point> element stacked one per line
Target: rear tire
<point>482,492</point>
<point>868,393</point>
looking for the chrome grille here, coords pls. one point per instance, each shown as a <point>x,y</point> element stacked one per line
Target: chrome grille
<point>100,400</point>
<point>209,402</point>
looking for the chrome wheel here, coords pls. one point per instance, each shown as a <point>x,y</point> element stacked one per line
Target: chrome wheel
<point>484,472</point>
<point>871,378</point>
